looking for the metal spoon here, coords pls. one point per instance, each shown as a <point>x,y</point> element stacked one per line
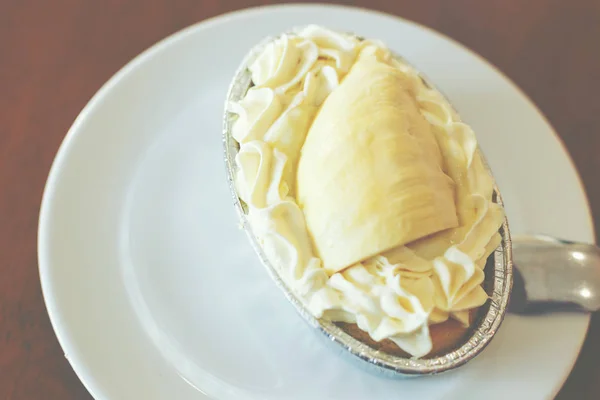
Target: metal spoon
<point>552,274</point>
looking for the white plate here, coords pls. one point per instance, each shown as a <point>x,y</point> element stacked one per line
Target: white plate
<point>155,293</point>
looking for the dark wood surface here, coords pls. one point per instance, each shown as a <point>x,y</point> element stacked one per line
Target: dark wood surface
<point>55,54</point>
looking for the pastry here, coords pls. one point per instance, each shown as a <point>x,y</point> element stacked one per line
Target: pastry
<point>365,191</point>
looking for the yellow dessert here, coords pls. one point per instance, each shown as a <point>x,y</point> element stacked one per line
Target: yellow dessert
<point>365,190</point>
<point>370,173</point>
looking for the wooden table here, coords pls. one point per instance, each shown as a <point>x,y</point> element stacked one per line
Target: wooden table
<point>55,54</point>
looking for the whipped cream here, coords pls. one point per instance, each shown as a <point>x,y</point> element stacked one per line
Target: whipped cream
<point>396,295</point>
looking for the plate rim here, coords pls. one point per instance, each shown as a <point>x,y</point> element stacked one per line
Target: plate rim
<point>60,328</point>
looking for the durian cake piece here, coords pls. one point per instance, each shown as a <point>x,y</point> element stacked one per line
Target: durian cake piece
<point>370,175</point>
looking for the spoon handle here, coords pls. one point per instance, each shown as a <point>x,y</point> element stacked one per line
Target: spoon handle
<point>554,274</point>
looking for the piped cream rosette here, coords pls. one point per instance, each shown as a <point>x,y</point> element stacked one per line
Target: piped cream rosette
<point>364,188</point>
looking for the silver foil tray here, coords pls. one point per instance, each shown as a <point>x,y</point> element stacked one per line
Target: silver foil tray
<point>498,280</point>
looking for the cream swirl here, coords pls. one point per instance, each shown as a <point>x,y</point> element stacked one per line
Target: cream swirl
<point>395,295</point>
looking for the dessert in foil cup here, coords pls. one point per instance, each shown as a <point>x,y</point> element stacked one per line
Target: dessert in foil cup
<point>375,355</point>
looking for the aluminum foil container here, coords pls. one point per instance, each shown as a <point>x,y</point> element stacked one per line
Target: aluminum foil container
<point>498,274</point>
